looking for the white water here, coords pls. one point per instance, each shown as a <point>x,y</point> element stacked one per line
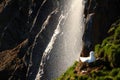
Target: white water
<point>36,37</point>
<point>66,43</point>
<point>34,21</point>
<point>48,49</point>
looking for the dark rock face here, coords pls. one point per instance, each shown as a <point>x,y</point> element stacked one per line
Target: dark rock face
<point>13,23</point>
<point>99,15</point>
<point>11,64</point>
<point>34,20</point>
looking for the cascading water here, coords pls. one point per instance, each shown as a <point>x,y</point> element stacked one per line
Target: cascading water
<point>65,44</point>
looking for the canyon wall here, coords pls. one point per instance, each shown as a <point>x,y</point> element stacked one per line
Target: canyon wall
<point>26,27</point>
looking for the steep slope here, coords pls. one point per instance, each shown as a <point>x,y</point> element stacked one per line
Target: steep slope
<point>20,20</point>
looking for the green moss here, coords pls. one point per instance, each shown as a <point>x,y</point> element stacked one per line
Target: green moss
<point>104,74</point>
<point>85,77</point>
<point>114,72</point>
<point>109,49</point>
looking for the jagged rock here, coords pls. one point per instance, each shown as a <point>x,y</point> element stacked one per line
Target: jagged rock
<point>25,19</point>
<point>8,56</point>
<point>97,25</point>
<point>10,61</point>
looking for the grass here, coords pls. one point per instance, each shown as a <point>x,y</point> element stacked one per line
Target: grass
<point>113,74</point>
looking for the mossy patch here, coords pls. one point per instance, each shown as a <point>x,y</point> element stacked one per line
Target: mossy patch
<point>109,49</point>
<point>103,74</point>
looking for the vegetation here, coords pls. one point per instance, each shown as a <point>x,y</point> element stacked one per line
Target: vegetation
<point>69,73</point>
<point>103,74</point>
<point>108,51</point>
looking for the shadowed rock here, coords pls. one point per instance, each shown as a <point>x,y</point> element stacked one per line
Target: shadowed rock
<point>8,55</point>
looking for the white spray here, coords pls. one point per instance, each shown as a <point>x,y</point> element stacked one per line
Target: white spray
<point>68,47</point>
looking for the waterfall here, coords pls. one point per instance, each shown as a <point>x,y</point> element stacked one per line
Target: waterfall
<point>48,49</point>
<point>66,43</point>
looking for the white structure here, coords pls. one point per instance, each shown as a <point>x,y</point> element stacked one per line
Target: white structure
<point>89,59</point>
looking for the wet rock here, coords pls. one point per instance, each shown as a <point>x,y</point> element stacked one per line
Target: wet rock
<point>20,20</point>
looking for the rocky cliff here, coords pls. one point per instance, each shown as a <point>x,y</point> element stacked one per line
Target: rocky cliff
<point>99,15</point>
<point>26,27</point>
